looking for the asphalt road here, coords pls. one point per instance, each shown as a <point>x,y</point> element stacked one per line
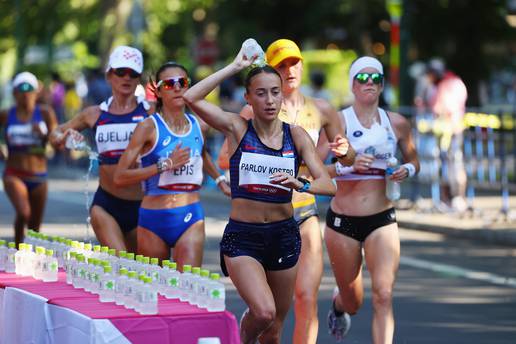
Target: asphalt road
<point>448,290</point>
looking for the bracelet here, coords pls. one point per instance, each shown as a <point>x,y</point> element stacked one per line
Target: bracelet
<point>162,165</point>
<point>342,170</point>
<point>221,178</point>
<point>411,169</point>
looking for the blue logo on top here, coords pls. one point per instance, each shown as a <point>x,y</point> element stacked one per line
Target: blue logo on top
<point>358,133</point>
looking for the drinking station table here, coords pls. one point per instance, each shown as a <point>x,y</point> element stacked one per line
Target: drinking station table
<point>32,311</point>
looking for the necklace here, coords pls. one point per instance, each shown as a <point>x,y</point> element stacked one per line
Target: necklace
<point>179,126</point>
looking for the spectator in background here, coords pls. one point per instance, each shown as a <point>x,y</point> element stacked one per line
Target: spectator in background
<point>449,106</point>
<point>98,88</point>
<point>317,90</point>
<point>57,94</point>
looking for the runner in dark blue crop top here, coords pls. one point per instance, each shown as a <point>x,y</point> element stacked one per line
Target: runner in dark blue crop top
<point>170,145</point>
<point>114,211</point>
<point>261,243</point>
<point>26,127</point>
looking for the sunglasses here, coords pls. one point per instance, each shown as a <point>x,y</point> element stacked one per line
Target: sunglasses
<point>169,84</point>
<point>24,87</point>
<point>376,78</point>
<point>121,72</point>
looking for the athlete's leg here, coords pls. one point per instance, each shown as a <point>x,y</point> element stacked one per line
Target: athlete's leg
<point>282,284</point>
<point>106,229</point>
<point>346,262</point>
<point>307,282</point>
<point>382,255</point>
<point>189,247</point>
<point>130,240</point>
<point>250,280</point>
<point>37,199</point>
<point>19,197</point>
<point>151,245</point>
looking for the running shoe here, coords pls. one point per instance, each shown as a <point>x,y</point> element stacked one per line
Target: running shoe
<point>338,326</point>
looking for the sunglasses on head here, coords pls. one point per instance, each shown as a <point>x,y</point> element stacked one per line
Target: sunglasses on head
<point>170,83</point>
<point>24,87</point>
<point>376,78</point>
<point>121,72</point>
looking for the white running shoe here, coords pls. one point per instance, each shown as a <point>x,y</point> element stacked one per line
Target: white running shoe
<point>338,326</point>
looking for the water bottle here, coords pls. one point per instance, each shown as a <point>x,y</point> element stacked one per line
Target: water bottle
<point>70,266</point>
<point>11,253</point>
<point>129,290</point>
<point>172,290</point>
<point>217,294</point>
<point>392,188</point>
<point>155,271</point>
<point>194,286</point>
<point>251,48</point>
<point>3,255</point>
<point>49,267</point>
<point>149,297</point>
<point>38,263</point>
<point>203,288</point>
<point>184,283</point>
<point>107,290</point>
<point>74,144</point>
<point>98,270</point>
<point>120,287</point>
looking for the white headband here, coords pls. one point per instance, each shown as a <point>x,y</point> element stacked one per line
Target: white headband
<point>361,63</point>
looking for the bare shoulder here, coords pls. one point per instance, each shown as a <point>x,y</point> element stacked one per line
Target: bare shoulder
<point>398,121</point>
<point>323,105</point>
<point>299,133</point>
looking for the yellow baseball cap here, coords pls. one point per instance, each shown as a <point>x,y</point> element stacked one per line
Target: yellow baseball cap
<point>280,50</point>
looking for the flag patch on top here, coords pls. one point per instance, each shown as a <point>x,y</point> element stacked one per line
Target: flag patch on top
<point>288,154</point>
<point>138,118</point>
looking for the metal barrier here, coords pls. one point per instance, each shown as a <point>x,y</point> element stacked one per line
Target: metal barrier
<point>488,150</point>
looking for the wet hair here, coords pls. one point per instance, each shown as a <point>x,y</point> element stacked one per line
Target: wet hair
<point>166,65</point>
<point>259,70</point>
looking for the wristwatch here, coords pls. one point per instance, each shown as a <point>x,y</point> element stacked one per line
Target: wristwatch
<point>306,184</point>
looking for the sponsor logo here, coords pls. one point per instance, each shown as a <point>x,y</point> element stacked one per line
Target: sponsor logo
<point>249,147</point>
<point>358,133</point>
<point>188,217</point>
<point>167,141</point>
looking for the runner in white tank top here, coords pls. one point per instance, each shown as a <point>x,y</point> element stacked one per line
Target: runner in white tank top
<point>360,215</point>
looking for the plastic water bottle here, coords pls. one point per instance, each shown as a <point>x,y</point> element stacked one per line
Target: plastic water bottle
<point>251,48</point>
<point>172,290</point>
<point>139,292</point>
<point>217,294</point>
<point>10,265</point>
<point>120,287</point>
<point>18,258</point>
<point>392,188</point>
<point>38,263</point>
<point>184,283</point>
<point>49,267</point>
<point>149,297</point>
<point>3,255</point>
<point>203,288</point>
<point>129,290</point>
<point>78,281</point>
<point>155,271</point>
<point>75,144</point>
<point>70,265</point>
<point>98,270</point>
<point>108,283</point>
<point>194,286</point>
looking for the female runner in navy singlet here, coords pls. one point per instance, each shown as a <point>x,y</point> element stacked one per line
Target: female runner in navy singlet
<point>114,210</point>
<point>261,243</point>
<point>27,126</point>
<point>171,146</point>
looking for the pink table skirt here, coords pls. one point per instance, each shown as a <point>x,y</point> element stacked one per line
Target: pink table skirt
<point>176,322</point>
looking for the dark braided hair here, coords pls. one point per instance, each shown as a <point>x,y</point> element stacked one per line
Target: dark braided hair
<point>258,70</point>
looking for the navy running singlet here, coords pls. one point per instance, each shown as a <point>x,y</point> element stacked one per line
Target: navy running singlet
<point>253,163</point>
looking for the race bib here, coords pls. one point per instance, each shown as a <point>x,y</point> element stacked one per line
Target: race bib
<point>114,137</point>
<point>186,178</point>
<point>255,170</point>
